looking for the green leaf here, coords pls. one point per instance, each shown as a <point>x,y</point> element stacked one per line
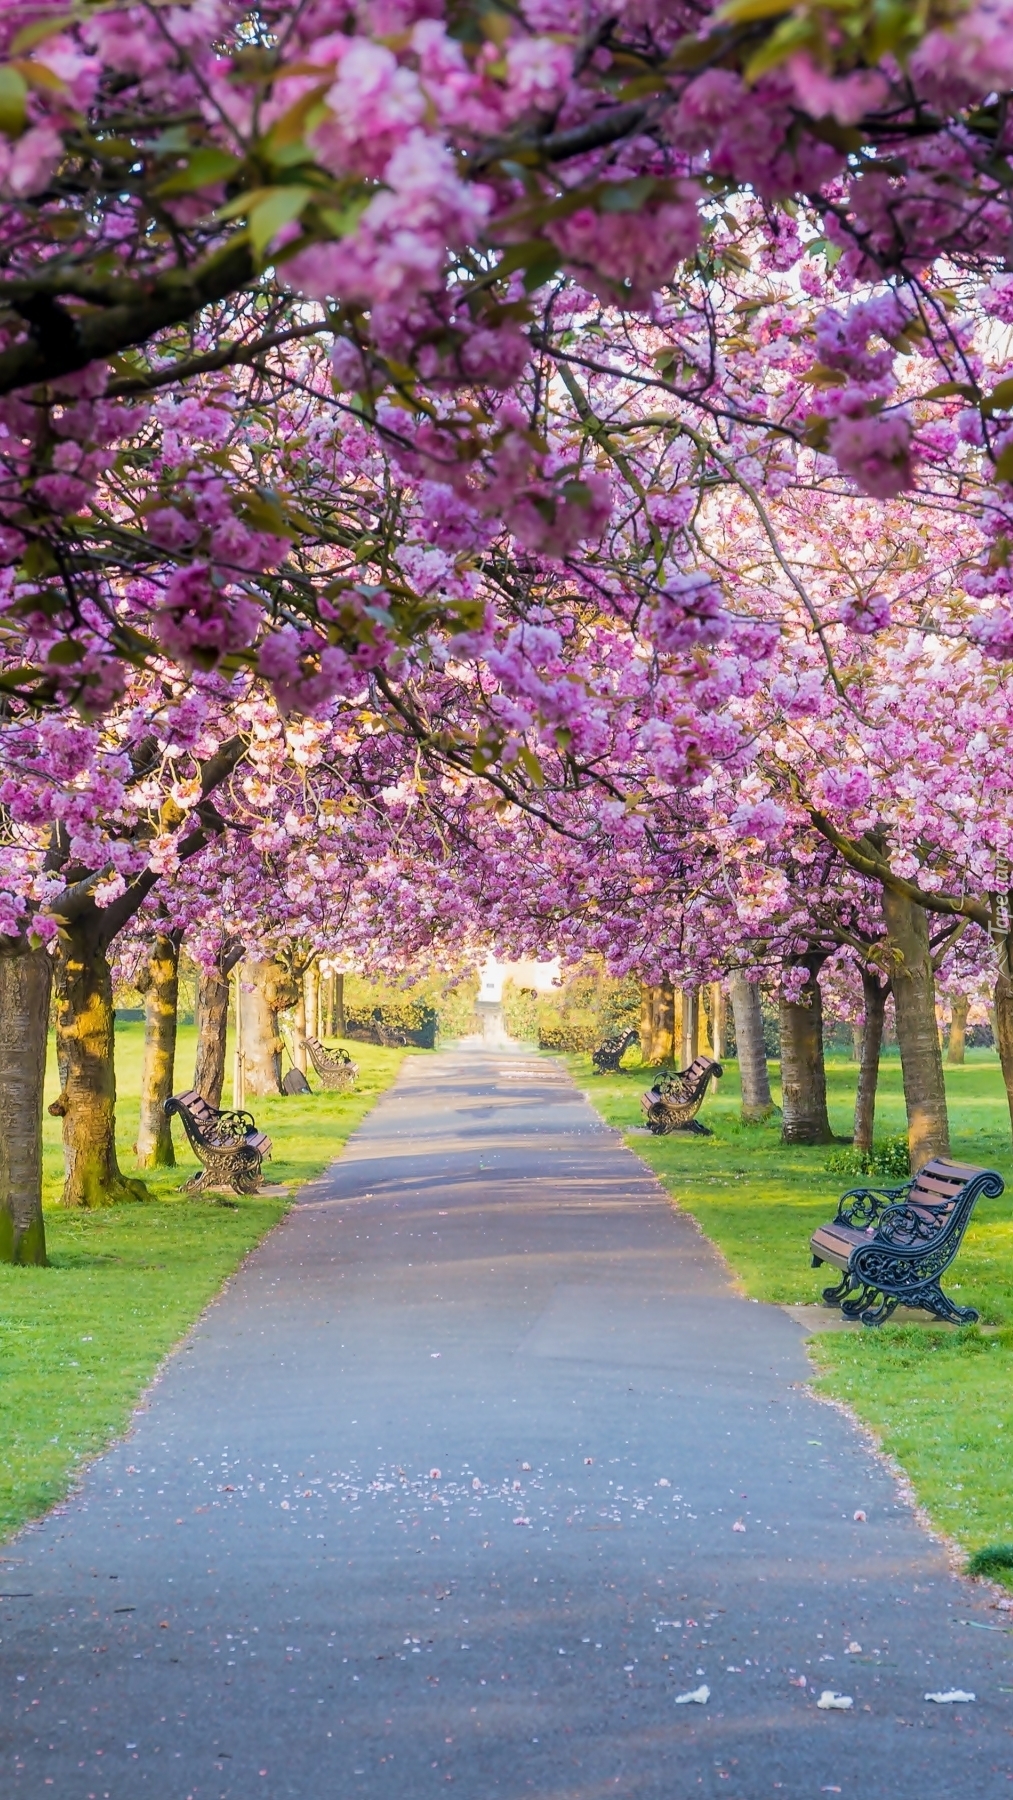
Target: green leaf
<point>30,35</point>
<point>341,221</point>
<point>280,206</point>
<point>746,12</point>
<point>541,269</point>
<point>820,376</point>
<point>288,131</point>
<point>1004,465</point>
<point>1001,397</point>
<point>944,389</point>
<point>203,169</point>
<point>626,196</point>
<point>533,766</point>
<point>38,560</point>
<point>65,652</point>
<point>13,101</point>
<point>791,35</point>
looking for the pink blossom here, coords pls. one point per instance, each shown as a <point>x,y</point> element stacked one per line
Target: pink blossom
<point>993,632</point>
<point>200,624</point>
<point>632,253</point>
<point>844,98</point>
<point>29,163</point>
<point>538,70</point>
<point>875,452</point>
<point>865,612</point>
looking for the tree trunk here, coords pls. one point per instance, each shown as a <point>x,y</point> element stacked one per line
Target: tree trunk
<point>875,995</point>
<point>757,1103</point>
<point>857,1032</point>
<point>85,1048</point>
<point>311,999</point>
<point>646,1025</point>
<point>263,982</point>
<point>212,1031</point>
<point>25,982</point>
<point>339,1006</point>
<point>690,1026</point>
<point>914,999</point>
<point>663,1035</point>
<point>299,1030</point>
<point>717,1020</point>
<point>1003,1032</point>
<point>161,1008</point>
<point>959,1009</point>
<point>803,1073</point>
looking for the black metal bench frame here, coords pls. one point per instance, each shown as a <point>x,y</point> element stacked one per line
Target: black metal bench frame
<point>335,1068</point>
<point>892,1244</point>
<point>609,1054</point>
<point>674,1101</point>
<point>226,1142</point>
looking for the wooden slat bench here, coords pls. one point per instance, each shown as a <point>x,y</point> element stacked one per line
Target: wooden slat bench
<point>892,1244</point>
<point>226,1143</point>
<point>335,1068</point>
<point>674,1101</point>
<point>608,1056</point>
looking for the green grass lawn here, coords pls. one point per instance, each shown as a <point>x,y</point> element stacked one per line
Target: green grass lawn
<point>80,1340</point>
<point>940,1400</point>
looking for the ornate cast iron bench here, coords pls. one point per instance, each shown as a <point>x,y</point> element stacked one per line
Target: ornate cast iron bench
<point>334,1067</point>
<point>893,1243</point>
<point>609,1055</point>
<point>674,1101</point>
<point>228,1145</point>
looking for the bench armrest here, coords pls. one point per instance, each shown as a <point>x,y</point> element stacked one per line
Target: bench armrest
<point>867,1203</point>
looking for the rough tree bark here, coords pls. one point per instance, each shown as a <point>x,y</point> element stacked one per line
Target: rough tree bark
<point>690,1046</point>
<point>25,983</point>
<point>914,999</point>
<point>757,1103</point>
<point>664,1023</point>
<point>159,983</point>
<point>803,1072</point>
<point>311,999</point>
<point>646,1025</point>
<point>1002,1030</point>
<point>717,1020</point>
<point>339,1005</point>
<point>875,993</point>
<point>212,1027</point>
<point>266,990</point>
<point>87,1101</point>
<point>299,1030</point>
<point>959,1009</point>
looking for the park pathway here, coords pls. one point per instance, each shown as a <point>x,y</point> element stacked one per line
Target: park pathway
<point>442,1494</point>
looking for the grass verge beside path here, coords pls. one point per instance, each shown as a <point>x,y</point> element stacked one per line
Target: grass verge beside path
<point>80,1340</point>
<point>939,1399</point>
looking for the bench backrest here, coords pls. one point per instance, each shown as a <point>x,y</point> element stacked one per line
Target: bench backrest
<point>211,1125</point>
<point>702,1065</point>
<point>937,1188</point>
<point>197,1106</point>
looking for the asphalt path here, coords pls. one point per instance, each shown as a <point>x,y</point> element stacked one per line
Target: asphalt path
<point>474,1469</point>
